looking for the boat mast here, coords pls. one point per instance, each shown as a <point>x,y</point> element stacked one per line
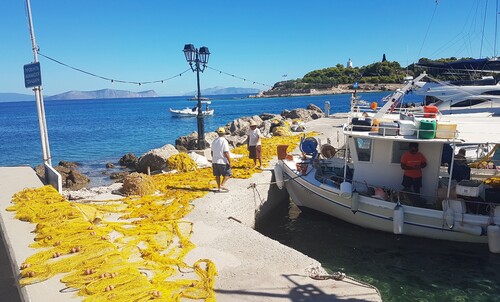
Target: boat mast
<point>496,27</point>
<point>39,97</point>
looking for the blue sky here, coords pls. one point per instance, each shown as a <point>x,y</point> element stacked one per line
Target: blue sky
<point>258,40</point>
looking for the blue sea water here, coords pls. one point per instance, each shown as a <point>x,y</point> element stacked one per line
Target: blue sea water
<point>95,132</point>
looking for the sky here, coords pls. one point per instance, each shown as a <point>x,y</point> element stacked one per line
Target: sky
<point>253,44</point>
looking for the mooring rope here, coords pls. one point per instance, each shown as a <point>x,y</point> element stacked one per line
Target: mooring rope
<point>340,276</point>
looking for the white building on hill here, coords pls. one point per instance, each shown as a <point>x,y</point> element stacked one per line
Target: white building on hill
<point>349,64</point>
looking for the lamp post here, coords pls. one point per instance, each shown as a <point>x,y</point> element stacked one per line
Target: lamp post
<point>198,60</point>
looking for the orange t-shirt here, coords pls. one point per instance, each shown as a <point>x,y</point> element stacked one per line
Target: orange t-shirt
<point>413,160</point>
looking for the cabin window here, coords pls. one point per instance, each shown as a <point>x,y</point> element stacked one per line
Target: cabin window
<point>398,148</point>
<point>468,103</point>
<point>363,148</point>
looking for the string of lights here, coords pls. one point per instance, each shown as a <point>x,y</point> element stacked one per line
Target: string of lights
<point>145,82</point>
<point>235,76</point>
<point>114,80</point>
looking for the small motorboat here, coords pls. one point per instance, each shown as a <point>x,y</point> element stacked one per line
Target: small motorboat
<point>192,111</point>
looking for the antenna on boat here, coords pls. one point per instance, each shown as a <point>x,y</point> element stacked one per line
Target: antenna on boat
<point>38,93</point>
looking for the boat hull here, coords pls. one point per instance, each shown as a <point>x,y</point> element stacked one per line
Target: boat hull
<point>377,214</point>
<point>188,112</point>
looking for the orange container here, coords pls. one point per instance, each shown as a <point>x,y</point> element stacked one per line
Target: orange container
<point>281,150</point>
<point>430,111</point>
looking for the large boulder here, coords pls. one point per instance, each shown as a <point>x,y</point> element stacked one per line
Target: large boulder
<point>304,115</point>
<point>71,178</point>
<point>190,141</point>
<point>210,137</point>
<point>240,126</point>
<point>269,116</point>
<point>236,140</point>
<point>155,159</point>
<point>128,160</point>
<point>314,108</point>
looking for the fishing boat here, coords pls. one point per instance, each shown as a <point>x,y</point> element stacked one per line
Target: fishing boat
<point>362,185</point>
<point>193,111</point>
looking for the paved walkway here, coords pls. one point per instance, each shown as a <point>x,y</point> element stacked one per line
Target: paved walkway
<point>251,266</point>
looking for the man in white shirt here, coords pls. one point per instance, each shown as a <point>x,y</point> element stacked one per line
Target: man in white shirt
<point>254,143</point>
<point>221,162</point>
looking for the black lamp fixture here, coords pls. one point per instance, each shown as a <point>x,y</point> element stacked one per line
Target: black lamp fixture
<point>198,60</point>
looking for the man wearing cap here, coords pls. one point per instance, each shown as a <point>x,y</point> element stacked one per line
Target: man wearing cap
<point>254,143</point>
<point>221,162</point>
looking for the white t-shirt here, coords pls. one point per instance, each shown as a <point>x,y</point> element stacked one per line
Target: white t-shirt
<point>219,146</point>
<point>254,137</point>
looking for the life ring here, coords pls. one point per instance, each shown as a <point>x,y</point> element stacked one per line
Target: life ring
<point>278,175</point>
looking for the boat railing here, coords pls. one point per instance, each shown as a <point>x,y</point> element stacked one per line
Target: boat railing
<point>334,176</point>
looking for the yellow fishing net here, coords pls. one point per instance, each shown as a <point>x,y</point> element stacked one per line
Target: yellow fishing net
<point>131,249</point>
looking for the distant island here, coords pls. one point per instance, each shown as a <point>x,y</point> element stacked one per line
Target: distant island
<point>221,91</point>
<point>102,94</point>
<point>122,94</point>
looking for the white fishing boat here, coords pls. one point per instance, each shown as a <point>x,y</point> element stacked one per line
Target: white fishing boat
<point>364,188</point>
<point>193,111</point>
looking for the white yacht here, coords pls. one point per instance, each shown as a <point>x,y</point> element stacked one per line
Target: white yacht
<point>461,97</point>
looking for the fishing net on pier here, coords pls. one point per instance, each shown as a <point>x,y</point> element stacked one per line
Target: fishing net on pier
<point>131,249</point>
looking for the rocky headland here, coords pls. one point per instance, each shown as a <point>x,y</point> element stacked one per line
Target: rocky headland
<point>281,91</point>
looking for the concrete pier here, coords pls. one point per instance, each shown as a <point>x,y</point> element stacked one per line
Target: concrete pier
<point>251,267</point>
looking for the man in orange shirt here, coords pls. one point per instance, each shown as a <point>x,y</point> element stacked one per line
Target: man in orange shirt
<point>412,163</point>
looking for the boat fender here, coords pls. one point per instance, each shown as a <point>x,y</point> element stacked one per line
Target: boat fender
<point>355,202</point>
<point>469,229</point>
<point>494,238</point>
<point>398,219</point>
<point>449,218</point>
<point>278,175</point>
<point>346,189</point>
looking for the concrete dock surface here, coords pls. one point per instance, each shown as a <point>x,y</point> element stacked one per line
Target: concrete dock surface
<point>251,267</point>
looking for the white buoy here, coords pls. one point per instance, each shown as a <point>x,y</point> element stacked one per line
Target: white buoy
<point>355,202</point>
<point>278,175</point>
<point>494,238</point>
<point>345,189</point>
<point>468,228</point>
<point>398,219</point>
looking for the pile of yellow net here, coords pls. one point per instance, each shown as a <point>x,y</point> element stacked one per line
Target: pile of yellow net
<point>130,249</point>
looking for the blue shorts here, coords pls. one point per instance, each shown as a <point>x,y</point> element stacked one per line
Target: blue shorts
<point>221,170</point>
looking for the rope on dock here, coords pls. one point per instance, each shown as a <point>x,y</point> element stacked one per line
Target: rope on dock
<point>340,276</point>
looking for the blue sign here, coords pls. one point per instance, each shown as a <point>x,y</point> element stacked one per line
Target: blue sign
<point>32,75</point>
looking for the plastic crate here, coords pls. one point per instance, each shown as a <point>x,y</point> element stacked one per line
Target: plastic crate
<point>469,188</point>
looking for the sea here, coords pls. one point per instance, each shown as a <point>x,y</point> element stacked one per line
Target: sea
<point>100,131</point>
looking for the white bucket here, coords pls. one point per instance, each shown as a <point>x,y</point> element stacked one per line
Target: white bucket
<point>346,189</point>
